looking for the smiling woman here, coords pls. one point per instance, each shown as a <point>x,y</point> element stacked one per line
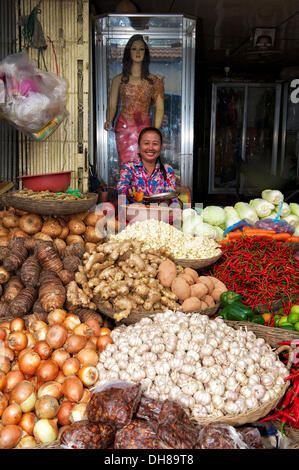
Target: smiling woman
<point>148,175</point>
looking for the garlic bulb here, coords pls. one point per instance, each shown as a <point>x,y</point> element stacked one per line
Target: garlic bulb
<point>206,350</point>
<point>267,361</point>
<point>246,391</point>
<point>254,379</point>
<point>158,348</point>
<point>202,374</point>
<point>192,355</point>
<point>258,391</point>
<point>231,396</point>
<point>174,392</point>
<point>251,402</point>
<point>215,387</point>
<point>208,361</point>
<point>188,369</point>
<point>176,363</point>
<point>218,402</point>
<point>199,411</point>
<point>231,408</point>
<point>202,397</point>
<point>241,378</point>
<point>267,380</point>
<point>190,388</point>
<point>185,401</point>
<point>162,367</point>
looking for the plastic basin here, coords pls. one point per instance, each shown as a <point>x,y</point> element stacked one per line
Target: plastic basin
<point>55,182</point>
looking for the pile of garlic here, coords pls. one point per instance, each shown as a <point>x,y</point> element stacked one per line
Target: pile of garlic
<point>208,367</point>
<point>158,234</point>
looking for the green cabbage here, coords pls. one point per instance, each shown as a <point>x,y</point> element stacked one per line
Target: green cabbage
<point>247,212</point>
<point>262,207</point>
<point>294,208</point>
<point>231,216</point>
<point>220,234</point>
<point>204,230</point>
<point>272,195</point>
<point>213,215</point>
<point>296,233</point>
<point>291,219</point>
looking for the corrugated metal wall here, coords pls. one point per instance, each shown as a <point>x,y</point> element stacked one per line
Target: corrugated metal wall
<point>66,23</point>
<point>8,134</point>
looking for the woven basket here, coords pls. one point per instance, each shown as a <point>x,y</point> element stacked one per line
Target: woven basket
<point>50,207</point>
<point>271,335</point>
<point>256,413</point>
<point>135,316</point>
<point>196,263</point>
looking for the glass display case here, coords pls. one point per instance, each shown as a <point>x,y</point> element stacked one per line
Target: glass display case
<point>243,135</point>
<point>171,41</point>
<point>289,168</point>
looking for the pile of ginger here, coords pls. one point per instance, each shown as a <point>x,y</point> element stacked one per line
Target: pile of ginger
<point>121,277</point>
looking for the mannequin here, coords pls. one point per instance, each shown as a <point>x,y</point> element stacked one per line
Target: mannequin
<point>136,88</point>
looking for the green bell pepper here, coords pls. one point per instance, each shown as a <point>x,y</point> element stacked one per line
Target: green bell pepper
<point>237,311</point>
<point>229,297</point>
<point>288,326</point>
<point>258,319</point>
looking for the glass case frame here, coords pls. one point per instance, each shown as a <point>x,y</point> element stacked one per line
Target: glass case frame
<point>245,87</point>
<point>115,27</point>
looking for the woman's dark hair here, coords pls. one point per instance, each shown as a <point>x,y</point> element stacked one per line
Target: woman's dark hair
<point>127,60</point>
<point>154,129</point>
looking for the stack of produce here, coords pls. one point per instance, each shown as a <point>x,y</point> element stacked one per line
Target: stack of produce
<point>213,220</point>
<point>209,368</point>
<point>126,276</point>
<point>46,370</point>
<point>176,244</point>
<point>123,418</point>
<point>34,270</point>
<point>260,269</point>
<point>86,227</point>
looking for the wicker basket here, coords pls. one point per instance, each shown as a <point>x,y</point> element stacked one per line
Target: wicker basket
<point>50,207</point>
<point>271,335</point>
<point>196,263</point>
<point>135,316</point>
<point>256,413</point>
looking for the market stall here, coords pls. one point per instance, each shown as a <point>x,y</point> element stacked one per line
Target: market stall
<point>150,337</point>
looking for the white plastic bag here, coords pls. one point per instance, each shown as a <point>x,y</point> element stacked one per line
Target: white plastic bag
<point>32,97</point>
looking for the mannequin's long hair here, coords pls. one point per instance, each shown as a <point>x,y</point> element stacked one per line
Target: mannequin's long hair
<point>127,60</point>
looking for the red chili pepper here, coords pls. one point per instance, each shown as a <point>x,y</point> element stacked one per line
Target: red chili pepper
<point>287,416</point>
<point>283,421</point>
<point>270,417</point>
<point>288,398</point>
<point>292,377</point>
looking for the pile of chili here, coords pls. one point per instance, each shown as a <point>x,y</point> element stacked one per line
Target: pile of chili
<point>288,410</point>
<point>260,269</point>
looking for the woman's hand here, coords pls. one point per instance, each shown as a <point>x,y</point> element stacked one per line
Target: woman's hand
<point>107,125</point>
<point>131,192</point>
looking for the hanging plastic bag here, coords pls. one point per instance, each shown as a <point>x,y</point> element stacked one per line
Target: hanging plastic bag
<point>32,97</point>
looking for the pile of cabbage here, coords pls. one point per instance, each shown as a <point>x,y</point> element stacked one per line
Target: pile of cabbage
<point>212,221</point>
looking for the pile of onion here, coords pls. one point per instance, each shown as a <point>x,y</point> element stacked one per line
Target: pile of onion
<point>46,372</point>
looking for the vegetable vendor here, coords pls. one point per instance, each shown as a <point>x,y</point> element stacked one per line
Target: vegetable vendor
<point>148,175</point>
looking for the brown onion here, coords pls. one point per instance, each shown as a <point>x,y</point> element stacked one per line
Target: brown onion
<point>27,442</point>
<point>43,349</point>
<point>47,370</point>
<point>64,413</point>
<point>3,380</point>
<point>27,422</point>
<point>31,339</point>
<point>88,375</point>
<point>39,328</point>
<point>92,343</point>
<point>60,356</point>
<point>45,431</point>
<point>3,334</point>
<point>8,352</point>
<point>17,324</point>
<point>46,407</point>
<point>51,388</point>
<point>5,324</point>
<point>88,356</point>
<point>83,329</point>
<point>71,321</point>
<point>4,364</point>
<point>103,341</point>
<point>24,395</point>
<point>17,340</point>
<point>56,336</point>
<point>72,388</point>
<point>71,366</point>
<point>94,325</point>
<point>93,217</point>
<point>29,362</point>
<point>94,234</point>
<point>75,343</point>
<point>13,377</point>
<point>105,331</point>
<point>10,436</point>
<point>56,317</point>
<point>24,351</point>
<point>60,377</point>
<point>3,402</point>
<point>12,414</point>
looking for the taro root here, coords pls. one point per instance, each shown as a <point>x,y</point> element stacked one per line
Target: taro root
<point>51,291</point>
<point>23,302</point>
<point>30,272</point>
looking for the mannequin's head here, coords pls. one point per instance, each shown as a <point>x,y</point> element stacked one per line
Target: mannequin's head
<point>135,47</point>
